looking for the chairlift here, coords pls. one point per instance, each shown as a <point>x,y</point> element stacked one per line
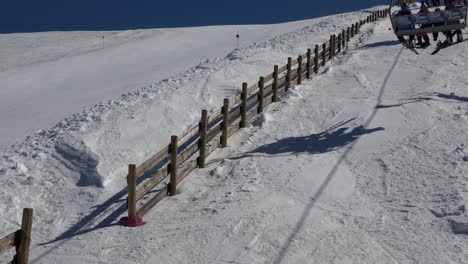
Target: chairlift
<point>409,20</point>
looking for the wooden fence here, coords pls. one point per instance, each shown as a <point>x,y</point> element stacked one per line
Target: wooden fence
<point>189,151</point>
<point>20,239</point>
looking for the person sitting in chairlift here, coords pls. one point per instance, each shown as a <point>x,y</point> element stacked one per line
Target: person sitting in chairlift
<point>405,10</point>
<point>421,36</point>
<point>453,4</point>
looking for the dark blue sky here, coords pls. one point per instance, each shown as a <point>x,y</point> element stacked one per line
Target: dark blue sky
<point>49,15</point>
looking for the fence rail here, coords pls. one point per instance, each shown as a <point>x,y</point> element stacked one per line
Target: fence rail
<point>20,239</point>
<point>179,158</point>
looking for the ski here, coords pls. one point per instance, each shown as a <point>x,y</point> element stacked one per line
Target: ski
<point>445,45</point>
<point>410,47</point>
<point>413,50</point>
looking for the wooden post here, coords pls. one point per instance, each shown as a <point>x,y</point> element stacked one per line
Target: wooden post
<point>225,135</point>
<point>356,27</point>
<point>339,43</point>
<point>316,59</point>
<point>331,48</point>
<point>131,190</point>
<point>324,54</point>
<point>288,74</point>
<point>299,70</point>
<point>275,84</point>
<point>22,256</point>
<point>202,142</point>
<point>334,46</point>
<point>261,84</point>
<point>173,176</point>
<point>348,32</point>
<point>352,30</point>
<point>309,56</point>
<point>343,38</point>
<point>243,122</point>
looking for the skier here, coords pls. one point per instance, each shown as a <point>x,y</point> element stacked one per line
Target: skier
<point>435,35</point>
<point>452,4</point>
<point>405,10</point>
<point>421,36</point>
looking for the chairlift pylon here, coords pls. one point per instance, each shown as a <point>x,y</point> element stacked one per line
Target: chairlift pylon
<point>409,20</point>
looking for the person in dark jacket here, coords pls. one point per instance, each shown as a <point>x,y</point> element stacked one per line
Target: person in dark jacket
<point>453,4</point>
<point>435,35</point>
<point>405,10</point>
<point>420,36</point>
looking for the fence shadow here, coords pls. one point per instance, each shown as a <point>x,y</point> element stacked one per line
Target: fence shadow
<point>86,224</point>
<point>102,215</point>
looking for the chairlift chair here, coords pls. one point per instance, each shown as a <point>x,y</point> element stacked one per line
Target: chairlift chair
<point>447,19</point>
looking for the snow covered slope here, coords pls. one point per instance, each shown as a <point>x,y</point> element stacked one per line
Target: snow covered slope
<point>361,164</point>
<point>46,77</point>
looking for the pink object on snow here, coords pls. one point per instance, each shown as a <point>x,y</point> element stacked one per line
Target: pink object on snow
<point>132,221</point>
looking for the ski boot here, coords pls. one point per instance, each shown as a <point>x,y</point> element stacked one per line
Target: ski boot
<point>459,37</point>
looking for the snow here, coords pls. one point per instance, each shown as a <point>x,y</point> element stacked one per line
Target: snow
<point>364,163</point>
<point>46,77</point>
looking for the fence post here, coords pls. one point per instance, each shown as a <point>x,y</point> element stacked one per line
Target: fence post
<point>202,142</point>
<point>261,84</point>
<point>334,46</point>
<point>348,32</point>
<point>352,30</point>
<point>339,43</point>
<point>288,74</point>
<point>275,84</point>
<point>225,135</point>
<point>173,167</point>
<point>309,55</point>
<point>243,122</point>
<point>22,255</point>
<point>299,70</point>
<point>131,190</point>
<point>343,38</point>
<point>316,59</point>
<point>324,54</point>
<point>356,27</point>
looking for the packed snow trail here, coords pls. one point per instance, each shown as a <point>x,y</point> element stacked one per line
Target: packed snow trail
<point>361,164</point>
<point>384,188</point>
